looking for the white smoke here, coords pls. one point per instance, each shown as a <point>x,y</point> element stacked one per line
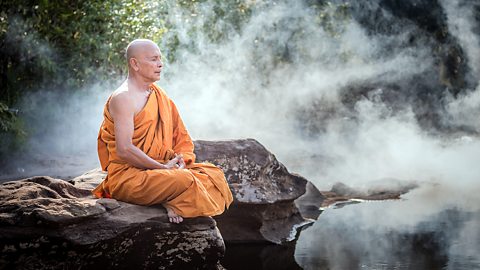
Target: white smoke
<point>235,89</point>
<point>223,92</point>
<point>241,86</point>
<point>464,111</point>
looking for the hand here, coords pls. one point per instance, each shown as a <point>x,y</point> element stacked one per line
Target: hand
<point>181,162</point>
<point>176,163</point>
<point>173,163</point>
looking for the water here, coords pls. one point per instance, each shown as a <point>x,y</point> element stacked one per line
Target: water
<point>416,232</point>
<point>392,235</point>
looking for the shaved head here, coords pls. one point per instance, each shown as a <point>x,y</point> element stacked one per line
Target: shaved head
<point>144,60</point>
<point>136,47</point>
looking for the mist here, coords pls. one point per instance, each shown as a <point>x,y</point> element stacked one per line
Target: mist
<point>224,92</point>
<point>341,103</point>
<point>297,109</point>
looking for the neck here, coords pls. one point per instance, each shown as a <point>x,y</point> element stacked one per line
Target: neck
<point>137,84</point>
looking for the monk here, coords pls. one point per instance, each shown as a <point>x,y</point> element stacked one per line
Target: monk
<point>146,150</point>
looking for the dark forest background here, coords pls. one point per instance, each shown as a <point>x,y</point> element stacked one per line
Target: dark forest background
<point>61,45</point>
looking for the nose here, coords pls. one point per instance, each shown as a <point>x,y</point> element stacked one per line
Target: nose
<point>160,63</point>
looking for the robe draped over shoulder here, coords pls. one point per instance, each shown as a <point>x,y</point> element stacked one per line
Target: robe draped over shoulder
<point>198,190</point>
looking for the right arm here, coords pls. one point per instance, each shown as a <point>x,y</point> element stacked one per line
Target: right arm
<point>122,111</point>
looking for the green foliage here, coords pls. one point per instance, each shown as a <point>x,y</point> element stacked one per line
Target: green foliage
<point>6,118</point>
<point>64,45</point>
<point>12,134</point>
<point>67,43</point>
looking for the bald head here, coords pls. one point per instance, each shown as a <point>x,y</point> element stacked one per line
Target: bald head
<point>144,61</point>
<point>139,46</point>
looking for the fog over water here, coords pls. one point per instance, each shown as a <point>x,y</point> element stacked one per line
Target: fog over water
<point>342,104</point>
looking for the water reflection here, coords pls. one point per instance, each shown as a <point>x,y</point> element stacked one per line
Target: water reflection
<point>260,256</point>
<point>392,235</point>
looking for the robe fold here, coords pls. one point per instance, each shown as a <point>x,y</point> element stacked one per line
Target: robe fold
<point>198,190</point>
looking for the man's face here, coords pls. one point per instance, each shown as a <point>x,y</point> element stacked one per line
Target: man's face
<point>150,63</point>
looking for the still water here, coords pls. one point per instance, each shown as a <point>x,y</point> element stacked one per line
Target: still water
<point>417,232</point>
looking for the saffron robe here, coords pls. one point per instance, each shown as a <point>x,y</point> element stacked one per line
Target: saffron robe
<point>198,190</point>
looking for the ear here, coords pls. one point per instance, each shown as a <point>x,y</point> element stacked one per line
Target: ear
<point>134,64</point>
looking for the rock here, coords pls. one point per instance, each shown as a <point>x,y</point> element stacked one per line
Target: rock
<point>44,200</point>
<point>268,200</point>
<point>48,223</point>
<point>265,193</point>
<point>252,172</point>
<point>308,204</point>
<point>386,189</point>
<point>90,179</point>
<point>109,204</point>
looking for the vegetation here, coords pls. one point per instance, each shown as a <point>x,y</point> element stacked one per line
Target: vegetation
<point>66,45</point>
<point>62,45</point>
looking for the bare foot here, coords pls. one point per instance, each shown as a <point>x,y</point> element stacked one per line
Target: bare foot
<point>172,216</point>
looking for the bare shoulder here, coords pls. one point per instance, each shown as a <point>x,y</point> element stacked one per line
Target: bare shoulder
<point>121,93</point>
<point>121,103</point>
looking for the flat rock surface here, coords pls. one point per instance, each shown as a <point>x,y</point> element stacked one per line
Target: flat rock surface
<point>48,223</point>
<point>44,200</point>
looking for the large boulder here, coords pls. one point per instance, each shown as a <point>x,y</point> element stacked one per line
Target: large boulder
<point>47,223</point>
<point>268,200</point>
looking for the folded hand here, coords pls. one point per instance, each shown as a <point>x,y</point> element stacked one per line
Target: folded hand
<point>176,163</point>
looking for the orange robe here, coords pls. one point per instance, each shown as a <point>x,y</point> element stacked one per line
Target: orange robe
<point>198,190</point>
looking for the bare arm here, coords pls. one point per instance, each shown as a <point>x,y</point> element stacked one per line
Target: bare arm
<point>122,111</point>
